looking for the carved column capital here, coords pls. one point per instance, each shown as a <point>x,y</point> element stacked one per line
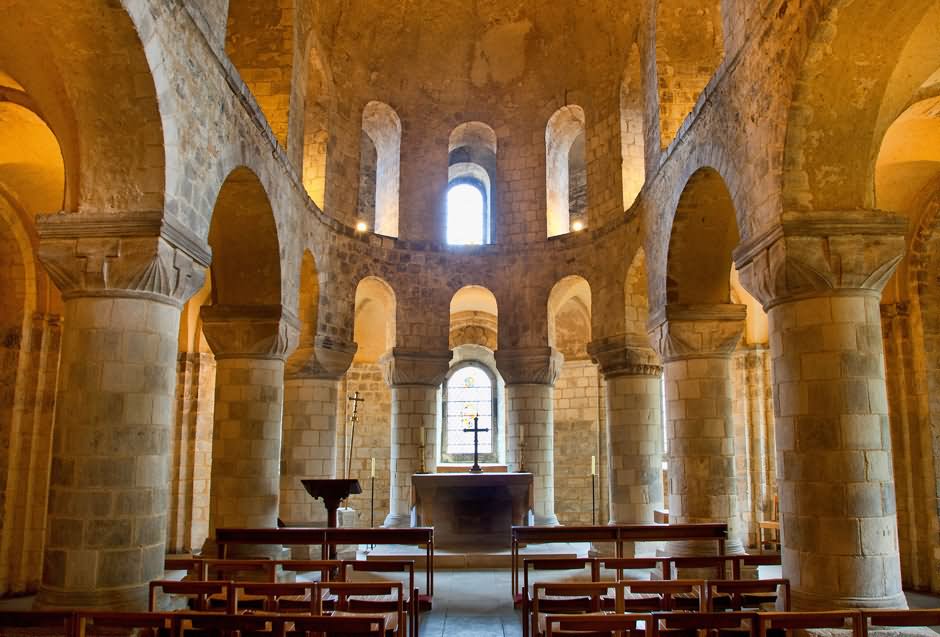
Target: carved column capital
<point>822,253</point>
<point>683,332</point>
<point>140,254</point>
<point>625,355</point>
<point>529,365</point>
<point>415,367</point>
<point>251,331</point>
<point>327,358</point>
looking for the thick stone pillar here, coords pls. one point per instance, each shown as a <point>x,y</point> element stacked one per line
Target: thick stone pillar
<point>311,392</point>
<point>696,343</point>
<point>530,376</point>
<point>123,278</point>
<point>250,344</point>
<point>632,374</point>
<point>415,378</point>
<point>820,276</point>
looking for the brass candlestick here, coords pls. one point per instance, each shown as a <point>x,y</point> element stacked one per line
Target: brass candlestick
<point>423,469</point>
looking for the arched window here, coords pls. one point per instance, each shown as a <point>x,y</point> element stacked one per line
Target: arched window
<point>471,175</point>
<point>380,168</point>
<point>469,392</point>
<point>466,212</point>
<point>566,171</point>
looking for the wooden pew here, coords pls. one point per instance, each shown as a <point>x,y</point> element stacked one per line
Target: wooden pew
<point>537,564</point>
<point>596,625</point>
<point>798,622</point>
<point>421,536</point>
<point>618,534</point>
<point>875,619</point>
<point>94,623</point>
<point>683,624</point>
<point>227,537</point>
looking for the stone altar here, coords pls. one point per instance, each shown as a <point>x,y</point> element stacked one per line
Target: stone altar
<point>470,510</point>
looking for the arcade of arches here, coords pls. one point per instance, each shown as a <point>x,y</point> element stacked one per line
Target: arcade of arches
<point>710,262</point>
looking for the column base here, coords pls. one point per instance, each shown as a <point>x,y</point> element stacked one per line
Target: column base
<point>802,600</point>
<point>131,598</point>
<point>397,521</point>
<point>546,520</point>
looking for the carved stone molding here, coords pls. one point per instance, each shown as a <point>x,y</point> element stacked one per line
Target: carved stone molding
<point>137,254</point>
<point>625,355</point>
<point>252,331</point>
<point>415,367</point>
<point>822,253</point>
<point>698,331</point>
<point>530,365</point>
<point>328,358</point>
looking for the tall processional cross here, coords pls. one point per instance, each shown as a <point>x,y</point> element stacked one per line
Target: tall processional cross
<point>476,444</point>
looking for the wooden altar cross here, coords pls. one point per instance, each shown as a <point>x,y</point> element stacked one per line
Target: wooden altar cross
<point>476,444</point>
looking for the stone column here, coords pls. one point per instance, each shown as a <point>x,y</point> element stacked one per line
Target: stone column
<point>696,343</point>
<point>632,374</point>
<point>123,278</point>
<point>415,378</point>
<point>311,391</point>
<point>820,276</point>
<point>530,376</point>
<point>250,344</point>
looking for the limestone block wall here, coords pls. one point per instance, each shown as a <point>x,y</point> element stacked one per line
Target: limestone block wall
<point>191,452</point>
<point>372,436</point>
<point>578,414</point>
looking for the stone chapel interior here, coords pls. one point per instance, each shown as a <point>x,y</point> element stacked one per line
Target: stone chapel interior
<point>674,255</point>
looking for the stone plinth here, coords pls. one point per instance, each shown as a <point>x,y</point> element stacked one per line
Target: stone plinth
<point>472,510</point>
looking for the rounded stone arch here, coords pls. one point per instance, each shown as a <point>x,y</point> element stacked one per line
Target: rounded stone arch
<point>259,40</point>
<point>474,318</point>
<point>97,95</point>
<point>565,166</point>
<point>472,151</point>
<point>569,316</point>
<point>689,49</point>
<point>895,50</point>
<point>703,235</point>
<point>243,234</point>
<point>375,319</point>
<point>380,183</point>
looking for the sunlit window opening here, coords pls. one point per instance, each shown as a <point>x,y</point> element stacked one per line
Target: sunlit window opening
<point>466,215</point>
<point>469,393</point>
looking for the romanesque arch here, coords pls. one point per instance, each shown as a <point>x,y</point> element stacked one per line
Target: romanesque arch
<point>317,124</point>
<point>380,168</point>
<point>565,170</point>
<point>472,149</point>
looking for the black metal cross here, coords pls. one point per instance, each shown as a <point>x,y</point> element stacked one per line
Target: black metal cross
<point>476,444</point>
<point>355,399</point>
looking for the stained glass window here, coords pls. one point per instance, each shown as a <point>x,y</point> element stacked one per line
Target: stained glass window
<point>468,394</point>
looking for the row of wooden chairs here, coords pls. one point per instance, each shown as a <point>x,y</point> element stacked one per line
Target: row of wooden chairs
<point>645,596</point>
<point>210,569</point>
<point>314,598</point>
<point>740,624</point>
<point>96,623</point>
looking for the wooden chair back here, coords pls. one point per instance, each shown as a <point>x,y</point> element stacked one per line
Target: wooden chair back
<point>800,621</point>
<point>682,624</point>
<point>761,559</point>
<point>713,566</point>
<point>370,598</point>
<point>198,593</point>
<point>748,594</point>
<point>597,625</point>
<point>621,564</point>
<point>329,569</point>
<point>281,597</point>
<point>224,625</point>
<point>640,595</point>
<point>878,618</point>
<point>568,598</point>
<point>92,623</point>
<point>339,626</point>
<point>242,570</point>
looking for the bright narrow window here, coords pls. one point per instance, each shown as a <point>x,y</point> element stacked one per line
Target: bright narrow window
<point>466,215</point>
<point>468,394</point>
